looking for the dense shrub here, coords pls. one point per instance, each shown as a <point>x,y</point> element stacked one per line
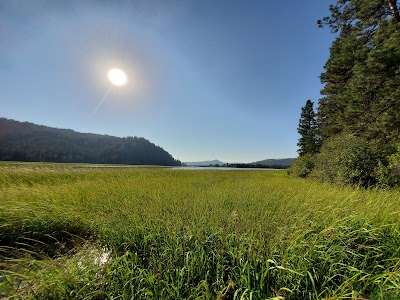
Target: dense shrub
<point>394,165</point>
<point>348,159</point>
<point>302,166</point>
<point>389,175</point>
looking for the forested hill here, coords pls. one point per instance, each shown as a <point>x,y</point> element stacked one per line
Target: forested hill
<point>24,141</point>
<point>284,162</point>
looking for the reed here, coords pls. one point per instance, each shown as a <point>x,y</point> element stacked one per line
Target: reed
<point>78,232</point>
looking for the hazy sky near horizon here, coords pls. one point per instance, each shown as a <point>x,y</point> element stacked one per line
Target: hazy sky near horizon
<point>206,79</point>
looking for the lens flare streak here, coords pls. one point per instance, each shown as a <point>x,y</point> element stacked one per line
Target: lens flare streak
<point>101,102</point>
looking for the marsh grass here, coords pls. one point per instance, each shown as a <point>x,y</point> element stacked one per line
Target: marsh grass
<point>157,233</point>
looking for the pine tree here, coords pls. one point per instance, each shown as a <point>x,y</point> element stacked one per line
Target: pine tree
<point>362,74</point>
<point>361,94</point>
<point>308,142</point>
<point>346,51</point>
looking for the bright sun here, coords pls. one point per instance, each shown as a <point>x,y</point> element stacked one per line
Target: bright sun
<point>117,77</point>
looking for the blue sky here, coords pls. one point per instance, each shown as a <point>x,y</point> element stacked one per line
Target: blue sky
<point>206,79</point>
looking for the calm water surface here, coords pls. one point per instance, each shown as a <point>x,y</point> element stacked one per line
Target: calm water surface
<point>220,168</point>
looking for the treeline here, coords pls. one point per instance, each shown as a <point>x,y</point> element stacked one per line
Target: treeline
<point>23,141</point>
<point>284,162</point>
<point>258,166</point>
<point>354,135</point>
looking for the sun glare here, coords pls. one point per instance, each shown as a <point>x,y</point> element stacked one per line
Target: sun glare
<point>117,77</point>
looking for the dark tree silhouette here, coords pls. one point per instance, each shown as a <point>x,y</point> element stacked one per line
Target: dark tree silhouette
<point>30,142</point>
<point>308,142</point>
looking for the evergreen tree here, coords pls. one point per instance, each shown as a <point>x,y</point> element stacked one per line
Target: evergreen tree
<point>362,74</point>
<point>308,142</point>
<point>358,117</point>
<point>345,52</point>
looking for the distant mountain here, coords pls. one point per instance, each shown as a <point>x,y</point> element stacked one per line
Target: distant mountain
<point>205,163</point>
<point>24,141</point>
<point>282,163</point>
<point>264,164</point>
<point>275,162</point>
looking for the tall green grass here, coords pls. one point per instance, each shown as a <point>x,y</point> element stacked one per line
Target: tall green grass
<point>73,232</point>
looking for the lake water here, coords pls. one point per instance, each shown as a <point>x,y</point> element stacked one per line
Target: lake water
<point>221,168</point>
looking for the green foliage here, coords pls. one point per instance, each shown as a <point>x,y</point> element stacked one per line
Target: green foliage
<point>69,232</point>
<point>302,166</point>
<point>361,96</point>
<point>308,142</point>
<point>362,78</point>
<point>394,165</point>
<point>345,52</point>
<point>389,176</point>
<point>372,94</point>
<point>364,15</point>
<point>347,159</point>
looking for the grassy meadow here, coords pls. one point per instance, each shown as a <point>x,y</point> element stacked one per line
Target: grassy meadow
<point>76,232</point>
